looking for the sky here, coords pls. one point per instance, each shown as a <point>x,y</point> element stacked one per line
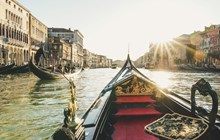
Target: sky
<point>110,27</point>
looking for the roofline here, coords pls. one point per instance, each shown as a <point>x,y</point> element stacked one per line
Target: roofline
<point>60,28</point>
<point>15,1</point>
<point>38,20</point>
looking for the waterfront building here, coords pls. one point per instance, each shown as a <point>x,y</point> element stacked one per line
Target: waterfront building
<point>196,39</point>
<point>169,54</point>
<point>78,40</point>
<point>144,61</point>
<point>87,58</point>
<point>180,47</point>
<point>74,53</point>
<point>94,60</point>
<point>60,51</point>
<point>98,61</point>
<point>108,63</point>
<point>209,46</point>
<point>101,61</point>
<point>73,37</point>
<point>14,33</point>
<point>38,38</point>
<point>159,56</point>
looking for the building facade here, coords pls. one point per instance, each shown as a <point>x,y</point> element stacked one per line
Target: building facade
<point>14,33</point>
<point>208,50</point>
<point>38,37</point>
<point>60,51</point>
<point>69,36</point>
<point>78,40</point>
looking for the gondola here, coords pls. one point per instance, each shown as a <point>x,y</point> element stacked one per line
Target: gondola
<point>43,74</point>
<point>5,68</point>
<point>17,69</point>
<point>46,74</point>
<point>133,107</point>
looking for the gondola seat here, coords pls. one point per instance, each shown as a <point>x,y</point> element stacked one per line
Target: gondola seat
<point>134,99</point>
<point>133,113</point>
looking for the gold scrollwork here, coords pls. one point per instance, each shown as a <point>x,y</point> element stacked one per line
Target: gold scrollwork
<point>135,86</point>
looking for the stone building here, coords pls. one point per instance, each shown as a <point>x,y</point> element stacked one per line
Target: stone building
<point>208,50</point>
<point>73,37</point>
<point>14,33</point>
<point>87,57</point>
<point>38,37</point>
<point>78,40</point>
<point>169,54</point>
<point>60,51</point>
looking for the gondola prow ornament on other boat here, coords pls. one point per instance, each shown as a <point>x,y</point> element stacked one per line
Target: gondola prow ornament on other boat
<point>72,128</point>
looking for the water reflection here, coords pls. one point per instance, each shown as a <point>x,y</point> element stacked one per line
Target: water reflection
<point>33,109</point>
<point>181,83</point>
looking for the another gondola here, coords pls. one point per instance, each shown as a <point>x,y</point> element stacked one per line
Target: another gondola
<point>133,107</point>
<point>49,74</point>
<point>43,74</point>
<point>5,68</point>
<point>17,69</point>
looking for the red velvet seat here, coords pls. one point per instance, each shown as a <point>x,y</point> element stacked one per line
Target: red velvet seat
<point>137,111</point>
<point>134,99</point>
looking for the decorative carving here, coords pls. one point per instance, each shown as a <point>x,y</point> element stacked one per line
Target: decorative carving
<point>134,86</point>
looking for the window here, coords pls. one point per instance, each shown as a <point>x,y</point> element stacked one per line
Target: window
<point>14,6</point>
<point>6,14</point>
<point>0,29</point>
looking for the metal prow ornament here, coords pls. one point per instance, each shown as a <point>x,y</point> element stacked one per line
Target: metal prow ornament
<point>71,120</point>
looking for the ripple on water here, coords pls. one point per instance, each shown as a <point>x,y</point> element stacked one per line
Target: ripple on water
<point>33,109</point>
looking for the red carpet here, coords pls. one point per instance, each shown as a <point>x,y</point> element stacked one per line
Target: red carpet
<point>133,128</point>
<point>136,111</point>
<point>134,99</point>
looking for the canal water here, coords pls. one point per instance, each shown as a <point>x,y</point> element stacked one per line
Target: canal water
<point>33,109</point>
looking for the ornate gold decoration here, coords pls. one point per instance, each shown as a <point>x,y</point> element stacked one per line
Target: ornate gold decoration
<point>177,126</point>
<point>71,119</point>
<point>134,86</point>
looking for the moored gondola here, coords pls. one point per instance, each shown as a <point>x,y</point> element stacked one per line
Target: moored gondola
<point>17,69</point>
<point>5,68</point>
<point>133,107</point>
